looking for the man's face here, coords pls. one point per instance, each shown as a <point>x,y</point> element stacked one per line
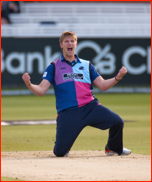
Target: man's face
<point>68,46</point>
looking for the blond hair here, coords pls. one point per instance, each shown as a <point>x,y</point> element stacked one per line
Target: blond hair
<point>67,33</point>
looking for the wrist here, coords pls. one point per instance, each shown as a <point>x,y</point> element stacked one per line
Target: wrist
<point>28,84</point>
<point>117,79</point>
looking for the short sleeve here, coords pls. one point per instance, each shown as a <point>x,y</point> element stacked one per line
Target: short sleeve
<point>49,73</point>
<point>94,73</point>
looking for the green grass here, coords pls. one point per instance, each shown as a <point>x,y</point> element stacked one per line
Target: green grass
<point>130,106</point>
<point>28,137</point>
<point>135,108</point>
<point>28,107</point>
<point>9,179</point>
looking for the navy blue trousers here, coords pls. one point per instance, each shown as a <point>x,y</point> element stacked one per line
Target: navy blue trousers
<point>71,122</point>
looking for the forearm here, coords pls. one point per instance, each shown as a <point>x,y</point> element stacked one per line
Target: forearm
<point>40,89</point>
<point>107,84</point>
<point>36,89</point>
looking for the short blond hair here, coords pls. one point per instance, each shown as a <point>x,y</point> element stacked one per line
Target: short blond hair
<point>67,33</point>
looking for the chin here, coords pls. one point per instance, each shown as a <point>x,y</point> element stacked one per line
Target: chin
<point>70,54</point>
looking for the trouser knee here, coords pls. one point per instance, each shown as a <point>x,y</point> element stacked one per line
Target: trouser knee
<point>119,122</point>
<point>59,152</point>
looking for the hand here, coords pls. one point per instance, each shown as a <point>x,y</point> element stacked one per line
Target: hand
<point>121,73</point>
<point>26,77</point>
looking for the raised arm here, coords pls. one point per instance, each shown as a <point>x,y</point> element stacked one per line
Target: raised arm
<point>106,84</point>
<point>40,89</point>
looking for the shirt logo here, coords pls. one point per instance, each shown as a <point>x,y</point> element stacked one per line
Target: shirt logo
<point>81,68</point>
<point>68,76</point>
<point>45,73</point>
<point>63,68</point>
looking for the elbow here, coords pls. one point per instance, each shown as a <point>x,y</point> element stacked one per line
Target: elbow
<point>103,88</point>
<point>40,94</point>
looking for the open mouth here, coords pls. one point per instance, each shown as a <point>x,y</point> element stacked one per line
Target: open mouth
<point>70,49</point>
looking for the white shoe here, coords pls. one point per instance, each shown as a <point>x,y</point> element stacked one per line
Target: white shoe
<point>66,155</point>
<point>124,152</point>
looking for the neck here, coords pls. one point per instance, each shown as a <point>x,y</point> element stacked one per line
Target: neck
<point>69,58</point>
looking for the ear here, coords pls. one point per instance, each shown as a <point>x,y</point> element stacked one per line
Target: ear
<point>61,45</point>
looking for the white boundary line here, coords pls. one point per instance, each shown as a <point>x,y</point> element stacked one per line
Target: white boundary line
<point>7,123</point>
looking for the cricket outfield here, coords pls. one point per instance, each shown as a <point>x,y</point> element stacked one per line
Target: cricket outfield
<point>27,149</point>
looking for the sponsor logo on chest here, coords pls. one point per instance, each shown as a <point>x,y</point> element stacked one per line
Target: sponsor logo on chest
<point>68,76</point>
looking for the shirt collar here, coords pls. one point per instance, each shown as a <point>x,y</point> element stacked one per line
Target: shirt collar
<point>62,58</point>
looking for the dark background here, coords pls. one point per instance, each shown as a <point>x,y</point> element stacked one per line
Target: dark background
<point>118,47</point>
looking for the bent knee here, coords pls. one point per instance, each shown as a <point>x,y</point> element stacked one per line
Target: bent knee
<point>59,153</point>
<point>120,122</point>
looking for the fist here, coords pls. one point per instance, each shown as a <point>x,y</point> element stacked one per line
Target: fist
<point>121,73</point>
<point>26,77</point>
